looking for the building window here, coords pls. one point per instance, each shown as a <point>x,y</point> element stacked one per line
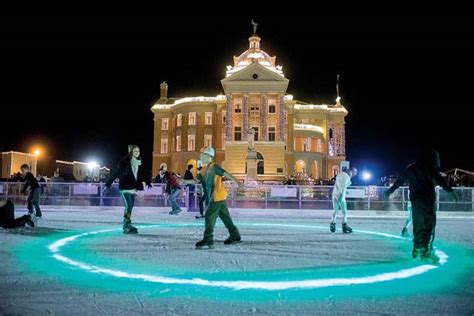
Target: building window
<point>208,140</point>
<point>179,120</point>
<point>254,109</point>
<point>319,146</point>
<point>237,133</point>
<point>208,118</point>
<point>307,144</point>
<point>305,121</point>
<point>256,133</point>
<point>271,108</point>
<point>238,108</point>
<point>191,142</point>
<point>223,141</point>
<point>271,133</point>
<point>178,143</point>
<point>192,118</point>
<point>330,133</point>
<point>164,124</point>
<point>164,145</point>
<point>223,117</point>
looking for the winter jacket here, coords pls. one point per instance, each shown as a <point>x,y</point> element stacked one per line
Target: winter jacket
<point>30,181</point>
<point>126,178</point>
<point>421,177</point>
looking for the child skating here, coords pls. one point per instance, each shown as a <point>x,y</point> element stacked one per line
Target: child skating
<point>215,195</point>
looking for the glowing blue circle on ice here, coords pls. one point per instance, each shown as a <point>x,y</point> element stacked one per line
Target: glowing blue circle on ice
<point>240,285</point>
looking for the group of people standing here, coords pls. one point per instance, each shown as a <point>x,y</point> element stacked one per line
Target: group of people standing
<point>421,177</point>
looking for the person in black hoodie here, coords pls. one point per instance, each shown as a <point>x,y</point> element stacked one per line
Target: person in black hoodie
<point>131,176</point>
<point>7,216</point>
<point>35,191</point>
<point>421,177</point>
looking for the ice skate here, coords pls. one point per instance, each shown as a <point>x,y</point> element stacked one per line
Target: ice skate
<point>230,241</point>
<point>416,252</point>
<point>199,216</point>
<point>130,230</point>
<point>29,220</point>
<point>332,227</point>
<point>33,219</point>
<point>405,232</point>
<point>175,212</point>
<point>430,257</point>
<point>205,244</point>
<point>346,229</point>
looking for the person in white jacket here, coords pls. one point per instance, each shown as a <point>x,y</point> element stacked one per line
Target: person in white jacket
<point>343,181</point>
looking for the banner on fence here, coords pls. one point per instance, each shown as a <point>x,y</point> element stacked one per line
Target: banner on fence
<point>85,189</point>
<point>356,193</point>
<point>158,190</point>
<point>284,192</point>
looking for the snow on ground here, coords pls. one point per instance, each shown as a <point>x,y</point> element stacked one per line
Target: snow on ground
<point>268,252</point>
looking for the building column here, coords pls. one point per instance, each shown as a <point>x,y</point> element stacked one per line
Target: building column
<point>228,118</point>
<point>281,118</point>
<point>264,117</point>
<point>245,110</point>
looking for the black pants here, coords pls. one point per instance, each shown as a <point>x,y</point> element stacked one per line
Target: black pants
<point>424,223</point>
<point>7,217</point>
<point>33,201</point>
<point>201,205</point>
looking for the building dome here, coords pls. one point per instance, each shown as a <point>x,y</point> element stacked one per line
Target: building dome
<point>254,55</point>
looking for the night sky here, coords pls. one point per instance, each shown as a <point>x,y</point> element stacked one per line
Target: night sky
<point>82,84</point>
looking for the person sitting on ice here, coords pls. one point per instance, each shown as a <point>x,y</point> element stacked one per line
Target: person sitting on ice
<point>342,182</point>
<point>7,216</point>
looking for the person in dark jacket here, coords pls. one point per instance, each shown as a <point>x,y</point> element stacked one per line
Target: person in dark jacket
<point>131,175</point>
<point>421,177</point>
<point>34,195</point>
<point>7,216</point>
<point>171,181</point>
<point>188,175</point>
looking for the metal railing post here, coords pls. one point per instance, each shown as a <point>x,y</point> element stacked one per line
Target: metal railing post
<point>437,199</point>
<point>403,199</point>
<point>367,188</point>
<point>299,196</point>
<point>266,199</point>
<point>186,200</point>
<point>101,202</point>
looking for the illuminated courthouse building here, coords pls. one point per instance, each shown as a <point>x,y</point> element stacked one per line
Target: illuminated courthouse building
<point>291,136</point>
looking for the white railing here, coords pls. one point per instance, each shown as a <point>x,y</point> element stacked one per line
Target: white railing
<point>260,196</point>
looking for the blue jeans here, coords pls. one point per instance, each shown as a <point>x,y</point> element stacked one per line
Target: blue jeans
<point>129,202</point>
<point>172,199</point>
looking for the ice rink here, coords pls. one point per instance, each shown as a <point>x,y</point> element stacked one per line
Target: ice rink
<point>78,262</point>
